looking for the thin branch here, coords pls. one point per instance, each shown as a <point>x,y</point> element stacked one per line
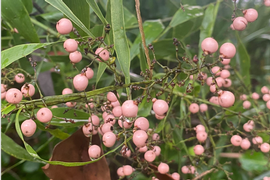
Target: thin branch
<point>203,174</point>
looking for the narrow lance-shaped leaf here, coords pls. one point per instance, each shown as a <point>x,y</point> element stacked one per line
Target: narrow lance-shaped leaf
<point>96,9</point>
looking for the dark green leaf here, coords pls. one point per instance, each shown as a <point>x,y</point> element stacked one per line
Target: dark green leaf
<point>254,161</point>
<point>145,107</point>
<point>55,132</point>
<point>28,4</point>
<point>130,19</point>
<point>143,63</point>
<point>53,16</point>
<point>96,9</point>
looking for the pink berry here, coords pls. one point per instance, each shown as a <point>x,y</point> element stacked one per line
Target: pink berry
<point>89,129</point>
<point>150,156</point>
<point>231,26</point>
<point>251,123</point>
<point>128,170</point>
<point>250,15</point>
<point>125,151</point>
<point>209,81</point>
<point>201,136</point>
<point>70,45</point>
<point>203,75</point>
<point>255,96</point>
<point>157,150</point>
<point>117,111</point>
<point>227,50</point>
<point>28,90</point>
<point>240,23</point>
<point>227,83</point>
<point>127,125</point>
<point>257,140</point>
<point>80,82</point>
<point>163,168</point>
<point>44,115</point>
<point>129,108</point>
<point>243,97</point>
<point>67,91</point>
<point>209,45</point>
<point>94,120</point>
<point>247,127</point>
<point>160,107</point>
<point>120,172</point>
<point>104,115</point>
<point>19,78</point>
<point>16,30</point>
<point>265,147</point>
<point>226,99</point>
<point>54,106</point>
<point>220,81</point>
<point>139,138</point>
<point>191,77</point>
<point>159,117</point>
<point>109,139</point>
<point>185,170</point>
<point>225,73</point>
<point>199,128</point>
<point>267,3</point>
<point>28,127</point>
<point>103,53</point>
<point>268,104</point>
<point>245,144</point>
<point>265,90</point>
<point>89,73</point>
<point>115,103</point>
<point>13,96</point>
<point>143,149</point>
<point>107,127</point>
<point>225,61</point>
<point>75,57</point>
<point>71,104</point>
<point>236,140</point>
<point>214,100</point>
<point>64,26</point>
<point>175,176</point>
<point>111,97</point>
<point>3,88</point>
<point>227,67</point>
<point>246,104</point>
<point>142,123</point>
<point>216,70</point>
<point>198,149</point>
<point>203,107</point>
<point>194,108</point>
<point>155,137</point>
<point>3,95</point>
<point>94,151</point>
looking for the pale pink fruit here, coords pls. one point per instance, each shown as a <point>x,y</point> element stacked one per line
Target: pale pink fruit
<point>203,107</point>
<point>201,136</point>
<point>89,129</point>
<point>191,77</point>
<point>139,138</point>
<point>268,104</point>
<point>117,111</point>
<point>103,53</point>
<point>225,61</point>
<point>28,127</point>
<point>89,73</point>
<point>214,100</point>
<point>16,30</point>
<point>94,120</point>
<point>110,119</point>
<point>70,45</point>
<point>198,149</point>
<point>194,108</point>
<point>246,104</point>
<point>155,137</point>
<point>107,127</point>
<point>120,172</point>
<point>240,23</point>
<point>143,149</point>
<point>209,81</point>
<point>227,67</point>
<point>203,74</point>
<point>267,3</point>
<point>115,103</point>
<point>227,50</point>
<point>243,97</point>
<point>255,96</point>
<point>127,125</point>
<point>128,170</point>
<point>247,127</point>
<point>266,97</point>
<point>175,176</point>
<point>19,78</point>
<point>54,106</point>
<point>67,91</point>
<point>199,128</point>
<point>236,140</point>
<point>142,123</point>
<point>163,168</point>
<point>216,70</point>
<point>13,96</point>
<point>250,14</point>
<point>191,169</point>
<point>267,178</point>
<point>251,123</point>
<point>111,97</point>
<point>257,140</point>
<point>129,108</point>
<point>71,104</point>
<point>109,139</point>
<point>127,153</point>
<point>265,147</point>
<point>245,144</point>
<point>3,95</point>
<point>91,105</point>
<point>149,156</point>
<point>185,170</point>
<point>159,117</point>
<point>209,45</point>
<point>225,74</point>
<point>220,81</point>
<point>226,99</point>
<point>80,82</point>
<point>44,115</point>
<point>227,83</point>
<point>104,115</point>
<point>28,90</point>
<point>157,150</point>
<point>160,107</point>
<point>75,57</point>
<point>264,90</point>
<point>231,26</point>
<point>64,26</point>
<point>3,88</point>
<point>94,151</point>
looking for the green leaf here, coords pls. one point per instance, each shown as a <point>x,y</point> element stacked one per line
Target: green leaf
<point>120,39</point>
<point>145,107</point>
<point>28,4</point>
<point>17,16</point>
<point>55,132</point>
<point>71,114</point>
<point>143,63</point>
<point>61,6</point>
<point>96,9</point>
<point>151,30</point>
<point>8,109</point>
<point>254,161</point>
<point>53,16</point>
<point>130,19</point>
<point>101,69</point>
<point>10,55</point>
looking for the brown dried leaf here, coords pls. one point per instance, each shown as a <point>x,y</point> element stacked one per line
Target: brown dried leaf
<point>75,149</point>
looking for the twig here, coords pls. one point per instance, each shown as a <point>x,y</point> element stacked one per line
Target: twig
<point>203,174</point>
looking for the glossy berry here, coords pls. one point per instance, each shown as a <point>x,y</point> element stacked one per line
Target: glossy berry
<point>117,111</point>
<point>3,95</point>
<point>107,127</point>
<point>94,151</point>
<point>236,140</point>
<point>265,90</point>
<point>243,97</point>
<point>227,50</point>
<point>28,127</point>
<point>159,117</point>
<point>3,88</point>
<point>185,170</point>
<point>129,108</point>
<point>209,45</point>
<point>199,128</point>
<point>142,123</point>
<point>89,73</point>
<point>247,127</point>
<point>67,91</point>
<point>257,140</point>
<point>70,45</point>
<point>213,88</point>
<point>139,138</point>
<point>225,74</point>
<point>220,81</point>
<point>89,129</point>
<point>214,100</point>
<point>225,61</point>
<point>231,26</point>
<point>126,124</point>
<point>157,150</point>
<point>201,136</point>
<point>160,107</point>
<point>143,149</point>
<point>155,137</point>
<point>246,104</point>
<point>28,90</point>
<point>94,120</point>
<point>175,176</point>
<point>163,168</point>
<point>103,53</point>
<point>266,97</point>
<point>54,106</point>
<point>44,115</point>
<point>265,147</point>
<point>250,14</point>
<point>226,99</point>
<point>128,170</point>
<point>216,70</point>
<point>110,119</point>
<point>120,172</point>
<point>245,144</point>
<point>115,103</point>
<point>111,97</point>
<point>64,26</point>
<point>13,96</point>
<point>80,82</point>
<point>255,96</point>
<point>71,104</point>
<point>227,83</point>
<point>240,23</point>
<point>150,156</point>
<point>198,149</point>
<point>209,81</point>
<point>194,108</point>
<point>109,139</point>
<point>268,104</point>
<point>19,78</point>
<point>75,57</point>
<point>267,3</point>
